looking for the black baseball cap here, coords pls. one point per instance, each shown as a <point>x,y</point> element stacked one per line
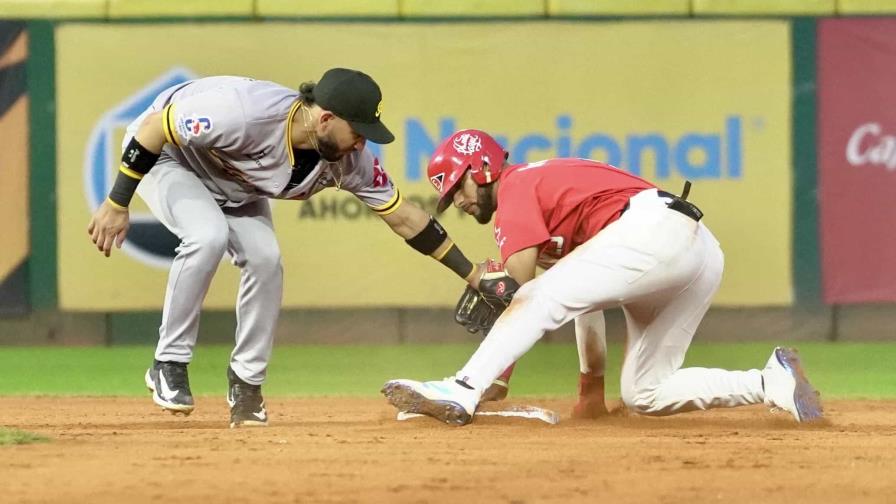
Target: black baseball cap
<point>355,97</point>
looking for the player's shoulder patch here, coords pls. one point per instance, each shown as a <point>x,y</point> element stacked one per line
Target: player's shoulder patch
<point>193,125</point>
<point>380,178</point>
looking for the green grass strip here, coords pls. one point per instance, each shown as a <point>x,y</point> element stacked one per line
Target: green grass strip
<point>17,437</point>
<point>838,370</point>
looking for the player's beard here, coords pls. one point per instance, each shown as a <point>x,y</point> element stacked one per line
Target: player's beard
<point>485,204</point>
<point>328,150</point>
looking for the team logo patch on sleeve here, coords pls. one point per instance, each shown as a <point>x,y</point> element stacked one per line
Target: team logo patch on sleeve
<point>380,179</point>
<point>437,181</point>
<point>194,125</point>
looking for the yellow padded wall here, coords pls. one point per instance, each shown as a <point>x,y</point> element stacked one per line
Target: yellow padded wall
<point>179,8</point>
<point>848,7</point>
<point>56,9</point>
<point>472,8</point>
<point>328,8</point>
<point>619,7</point>
<point>764,7</point>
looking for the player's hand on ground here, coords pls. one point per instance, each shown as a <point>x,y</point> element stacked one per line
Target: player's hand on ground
<point>109,225</point>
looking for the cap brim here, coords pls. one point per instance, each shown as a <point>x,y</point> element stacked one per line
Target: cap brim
<point>375,132</point>
<point>446,199</point>
<point>444,202</point>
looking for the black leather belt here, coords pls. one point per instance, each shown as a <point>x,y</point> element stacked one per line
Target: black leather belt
<point>682,206</point>
<point>679,203</point>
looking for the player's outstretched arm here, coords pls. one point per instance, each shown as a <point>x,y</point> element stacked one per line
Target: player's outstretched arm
<point>109,224</point>
<point>425,235</point>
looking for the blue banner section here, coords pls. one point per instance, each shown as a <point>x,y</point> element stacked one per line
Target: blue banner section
<point>720,152</point>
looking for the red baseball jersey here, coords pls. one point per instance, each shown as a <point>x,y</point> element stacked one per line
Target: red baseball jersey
<point>558,204</point>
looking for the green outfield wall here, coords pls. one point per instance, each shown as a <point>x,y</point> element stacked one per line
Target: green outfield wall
<point>723,93</point>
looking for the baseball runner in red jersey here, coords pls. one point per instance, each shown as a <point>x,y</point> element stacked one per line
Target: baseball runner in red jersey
<point>609,239</point>
<point>211,153</point>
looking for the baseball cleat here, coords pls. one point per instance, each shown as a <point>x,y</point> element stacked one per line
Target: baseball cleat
<point>787,388</point>
<point>246,403</point>
<point>170,387</point>
<point>444,400</point>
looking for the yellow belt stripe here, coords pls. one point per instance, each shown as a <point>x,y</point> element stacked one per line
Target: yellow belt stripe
<point>130,173</point>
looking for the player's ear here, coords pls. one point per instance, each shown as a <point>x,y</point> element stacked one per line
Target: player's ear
<point>326,116</point>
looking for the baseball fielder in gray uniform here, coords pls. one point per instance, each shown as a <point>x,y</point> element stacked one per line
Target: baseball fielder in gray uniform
<point>206,157</point>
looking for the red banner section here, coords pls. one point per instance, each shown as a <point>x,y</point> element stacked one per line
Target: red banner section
<point>857,159</point>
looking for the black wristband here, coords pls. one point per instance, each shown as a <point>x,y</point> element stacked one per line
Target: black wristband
<point>137,158</point>
<point>457,262</point>
<point>123,190</point>
<point>429,239</point>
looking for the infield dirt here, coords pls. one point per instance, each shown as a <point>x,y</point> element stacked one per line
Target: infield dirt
<point>122,450</point>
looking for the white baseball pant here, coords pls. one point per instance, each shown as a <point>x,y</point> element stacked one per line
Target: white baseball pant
<point>663,269</point>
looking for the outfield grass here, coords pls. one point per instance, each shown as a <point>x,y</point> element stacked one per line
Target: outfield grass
<point>838,370</point>
<point>17,437</point>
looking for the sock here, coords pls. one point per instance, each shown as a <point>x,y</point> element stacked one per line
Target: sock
<point>504,379</point>
<point>591,387</point>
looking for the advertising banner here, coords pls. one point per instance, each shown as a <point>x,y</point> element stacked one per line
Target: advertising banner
<point>13,167</point>
<point>857,159</point>
<point>667,100</point>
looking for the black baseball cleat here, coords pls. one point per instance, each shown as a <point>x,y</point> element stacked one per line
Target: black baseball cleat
<point>170,386</point>
<point>246,403</point>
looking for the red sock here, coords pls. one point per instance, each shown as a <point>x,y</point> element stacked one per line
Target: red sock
<point>505,376</point>
<point>591,387</point>
<point>591,397</point>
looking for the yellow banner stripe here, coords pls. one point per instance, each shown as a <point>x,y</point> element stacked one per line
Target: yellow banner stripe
<point>390,206</point>
<point>130,173</point>
<point>170,137</point>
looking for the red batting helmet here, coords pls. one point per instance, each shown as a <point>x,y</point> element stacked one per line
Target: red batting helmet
<point>468,149</point>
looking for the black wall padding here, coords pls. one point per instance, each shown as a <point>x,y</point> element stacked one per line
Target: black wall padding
<point>13,291</point>
<point>9,32</point>
<point>12,85</point>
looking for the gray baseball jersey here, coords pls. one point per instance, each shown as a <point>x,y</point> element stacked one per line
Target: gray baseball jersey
<point>235,132</point>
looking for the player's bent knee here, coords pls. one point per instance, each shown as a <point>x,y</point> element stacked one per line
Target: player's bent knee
<point>208,245</point>
<point>642,402</point>
<point>269,267</point>
<point>265,262</point>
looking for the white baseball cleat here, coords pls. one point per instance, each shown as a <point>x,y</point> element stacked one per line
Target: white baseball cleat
<point>787,388</point>
<point>444,400</point>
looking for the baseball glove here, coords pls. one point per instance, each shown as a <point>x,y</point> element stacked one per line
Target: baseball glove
<point>478,310</point>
